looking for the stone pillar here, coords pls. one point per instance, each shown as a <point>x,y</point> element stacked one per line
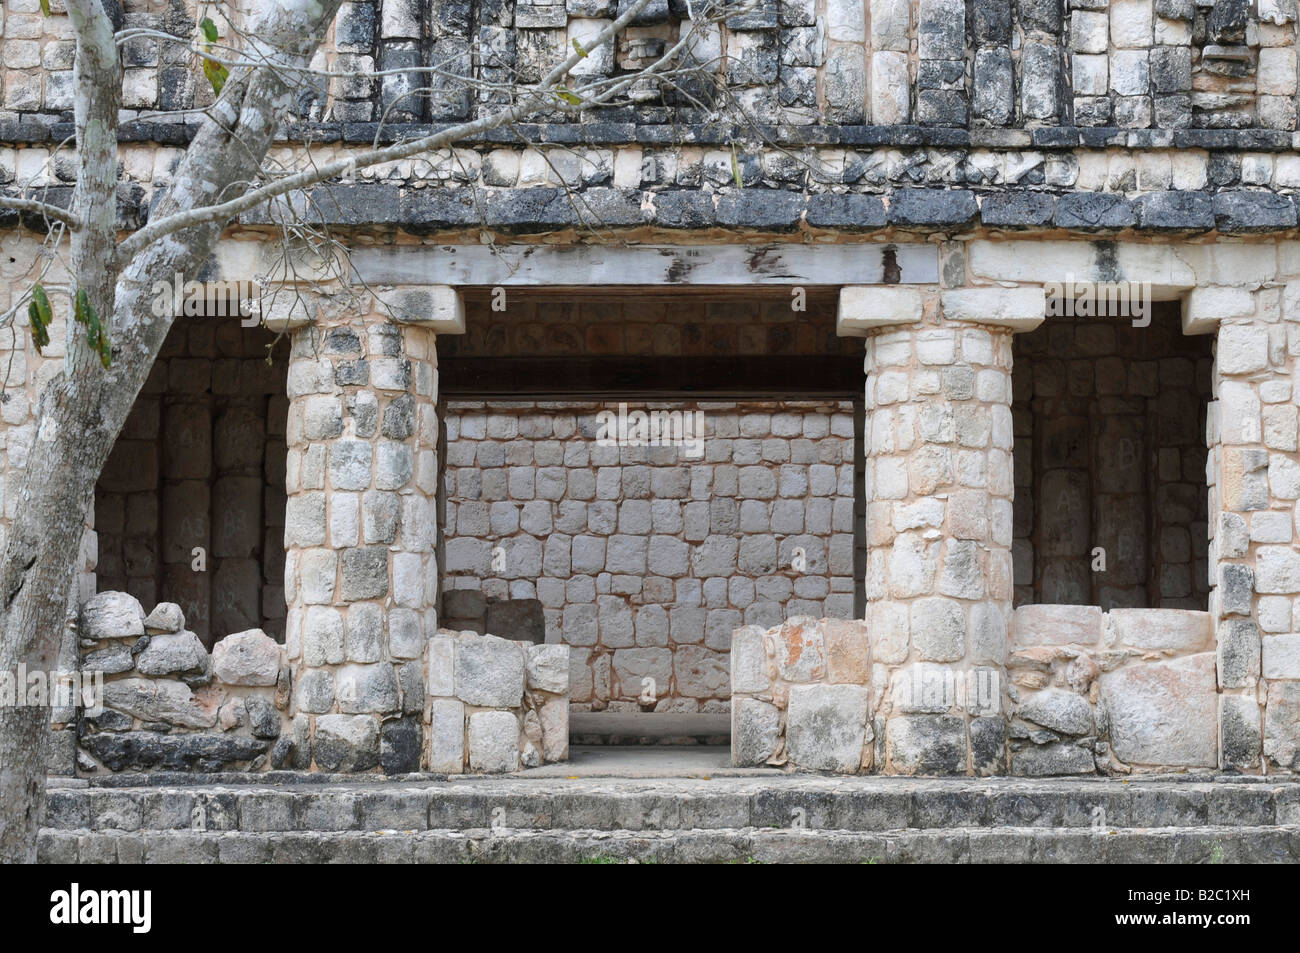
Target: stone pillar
<point>360,532</point>
<point>939,491</point>
<point>1254,477</point>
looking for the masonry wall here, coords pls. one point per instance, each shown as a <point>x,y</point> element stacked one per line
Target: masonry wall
<point>1110,454</point>
<point>1128,63</point>
<point>645,559</point>
<point>200,465</point>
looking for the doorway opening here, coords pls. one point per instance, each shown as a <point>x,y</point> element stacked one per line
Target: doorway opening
<point>1110,453</point>
<point>190,506</point>
<point>637,474</point>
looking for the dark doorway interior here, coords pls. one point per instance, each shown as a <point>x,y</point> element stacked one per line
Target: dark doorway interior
<point>190,507</point>
<point>1110,458</point>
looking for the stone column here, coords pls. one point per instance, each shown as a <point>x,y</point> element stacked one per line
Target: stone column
<point>939,492</point>
<point>360,532</point>
<point>1254,477</point>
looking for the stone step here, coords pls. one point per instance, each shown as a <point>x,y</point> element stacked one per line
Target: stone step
<point>648,724</point>
<point>1170,845</point>
<point>869,804</point>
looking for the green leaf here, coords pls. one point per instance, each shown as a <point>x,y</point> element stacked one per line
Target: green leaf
<point>42,302</point>
<point>578,46</point>
<point>216,74</point>
<point>39,335</point>
<point>81,309</point>
<point>573,99</point>
<point>45,7</point>
<point>209,29</point>
<point>735,168</point>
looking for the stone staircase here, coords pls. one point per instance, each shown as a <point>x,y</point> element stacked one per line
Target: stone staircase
<point>287,818</point>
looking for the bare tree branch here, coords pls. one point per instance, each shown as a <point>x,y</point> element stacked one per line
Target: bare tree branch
<point>52,212</point>
<point>544,91</point>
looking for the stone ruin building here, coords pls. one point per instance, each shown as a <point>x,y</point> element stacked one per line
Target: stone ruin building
<point>941,519</point>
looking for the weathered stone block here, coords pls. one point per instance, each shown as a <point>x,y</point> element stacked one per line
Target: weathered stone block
<point>346,743</point>
<point>800,651</point>
<point>547,668</point>
<point>755,731</point>
<point>1239,651</point>
<point>489,672</point>
<point>748,660</point>
<point>926,744</point>
<point>165,618</point>
<point>180,653</point>
<point>1058,710</point>
<point>246,658</point>
<point>367,688</point>
<point>1240,731</point>
<point>1164,713</point>
<point>493,741</point>
<point>1282,724</point>
<point>112,615</point>
<point>1056,625</point>
<point>1179,630</point>
<point>447,736</point>
<point>826,727</point>
<point>158,700</point>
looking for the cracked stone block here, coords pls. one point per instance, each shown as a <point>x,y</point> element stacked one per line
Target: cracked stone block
<point>346,743</point>
<point>493,741</point>
<point>755,731</point>
<point>926,744</point>
<point>489,672</point>
<point>1165,712</point>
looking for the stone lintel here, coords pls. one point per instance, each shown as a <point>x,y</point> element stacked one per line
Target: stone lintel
<point>439,308</point>
<point>1018,309</point>
<point>864,307</point>
<point>1204,308</point>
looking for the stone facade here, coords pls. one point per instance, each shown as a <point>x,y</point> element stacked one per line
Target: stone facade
<point>645,559</point>
<point>926,169</point>
<point>168,704</point>
<point>1165,64</point>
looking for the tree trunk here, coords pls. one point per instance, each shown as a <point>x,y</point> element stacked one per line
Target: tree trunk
<point>82,412</point>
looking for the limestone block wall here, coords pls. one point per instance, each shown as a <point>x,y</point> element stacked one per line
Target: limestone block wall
<point>801,696</point>
<point>200,464</point>
<point>645,559</point>
<point>168,704</point>
<point>1111,692</point>
<point>1110,454</point>
<point>495,705</point>
<point>361,577</point>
